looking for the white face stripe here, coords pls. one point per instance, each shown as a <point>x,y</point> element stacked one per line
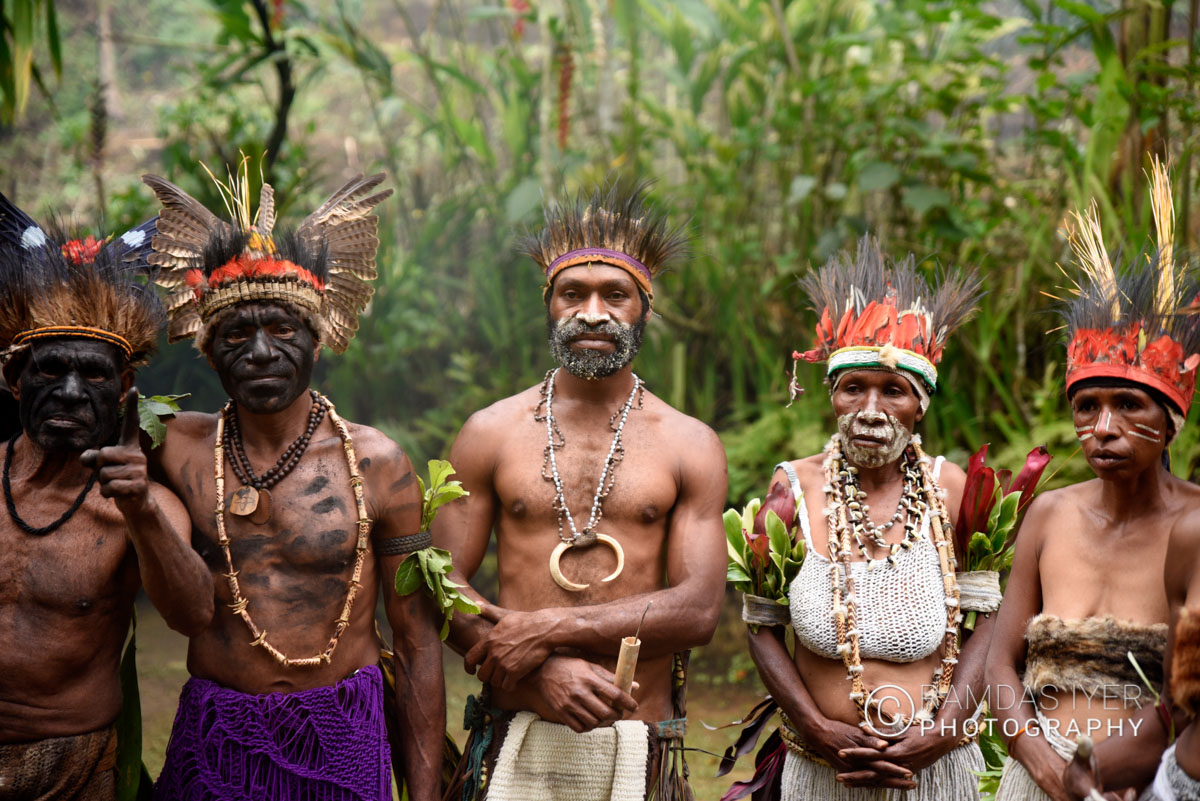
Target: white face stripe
<point>1156,432</point>
<point>1105,422</point>
<point>1084,429</point>
<point>1143,436</point>
<point>1086,437</point>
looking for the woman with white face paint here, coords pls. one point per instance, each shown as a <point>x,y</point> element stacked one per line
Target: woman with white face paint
<point>1086,595</point>
<point>878,695</point>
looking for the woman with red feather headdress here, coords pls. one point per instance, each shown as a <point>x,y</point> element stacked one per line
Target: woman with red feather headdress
<point>875,601</point>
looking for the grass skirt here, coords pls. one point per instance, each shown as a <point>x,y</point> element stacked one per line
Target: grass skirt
<point>951,778</point>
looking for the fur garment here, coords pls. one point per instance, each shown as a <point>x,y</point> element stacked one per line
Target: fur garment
<point>1091,655</point>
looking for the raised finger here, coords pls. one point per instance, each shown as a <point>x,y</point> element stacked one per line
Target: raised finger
<point>129,423</point>
<point>116,472</point>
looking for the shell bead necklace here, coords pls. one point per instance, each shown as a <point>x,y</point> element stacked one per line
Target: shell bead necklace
<point>616,453</point>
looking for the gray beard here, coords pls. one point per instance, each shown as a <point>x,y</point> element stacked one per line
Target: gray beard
<point>894,434</point>
<point>590,364</point>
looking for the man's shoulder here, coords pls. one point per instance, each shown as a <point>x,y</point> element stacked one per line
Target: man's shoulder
<point>504,412</point>
<point>685,428</point>
<point>371,443</point>
<point>190,426</point>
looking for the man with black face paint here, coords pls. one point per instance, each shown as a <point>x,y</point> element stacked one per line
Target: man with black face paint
<point>1086,589</point>
<point>313,515</point>
<point>73,327</point>
<point>606,504</point>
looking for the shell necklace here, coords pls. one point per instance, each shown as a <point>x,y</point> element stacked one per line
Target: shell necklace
<point>845,609</point>
<point>240,602</point>
<point>616,452</point>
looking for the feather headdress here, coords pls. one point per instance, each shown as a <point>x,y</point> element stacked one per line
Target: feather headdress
<point>879,313</point>
<point>322,271</point>
<point>1129,322</point>
<point>86,288</point>
<point>615,226</point>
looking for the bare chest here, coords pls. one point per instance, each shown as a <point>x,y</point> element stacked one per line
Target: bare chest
<point>310,529</point>
<point>632,486</point>
<point>1088,568</point>
<point>82,568</point>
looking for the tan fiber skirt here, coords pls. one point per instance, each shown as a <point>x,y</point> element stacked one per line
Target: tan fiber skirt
<point>951,778</point>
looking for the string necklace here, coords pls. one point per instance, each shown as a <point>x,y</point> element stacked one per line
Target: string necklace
<point>240,602</point>
<point>616,453</point>
<point>12,505</point>
<point>253,500</point>
<point>845,606</point>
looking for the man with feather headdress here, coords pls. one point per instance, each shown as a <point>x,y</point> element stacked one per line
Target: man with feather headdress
<point>606,504</point>
<point>1085,599</point>
<point>300,516</point>
<point>76,320</point>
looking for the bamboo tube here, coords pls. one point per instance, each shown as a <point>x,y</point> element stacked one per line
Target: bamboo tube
<point>627,662</point>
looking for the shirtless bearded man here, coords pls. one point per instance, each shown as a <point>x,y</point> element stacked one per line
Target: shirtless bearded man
<point>1086,584</point>
<point>285,699</point>
<point>75,322</point>
<point>572,474</point>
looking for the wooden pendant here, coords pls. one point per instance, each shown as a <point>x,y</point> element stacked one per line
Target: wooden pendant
<point>244,502</point>
<point>263,513</point>
<point>556,571</point>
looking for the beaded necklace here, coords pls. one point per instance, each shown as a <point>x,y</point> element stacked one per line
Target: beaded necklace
<point>910,507</point>
<point>616,453</point>
<point>253,500</point>
<point>240,603</point>
<point>845,612</point>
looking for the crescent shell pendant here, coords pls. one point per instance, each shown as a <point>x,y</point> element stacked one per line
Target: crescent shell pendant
<point>562,581</point>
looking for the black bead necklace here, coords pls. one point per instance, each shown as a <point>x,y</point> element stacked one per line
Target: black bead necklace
<point>253,500</point>
<point>12,506</point>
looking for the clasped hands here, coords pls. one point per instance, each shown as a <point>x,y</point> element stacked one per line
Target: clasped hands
<point>519,650</point>
<point>863,759</point>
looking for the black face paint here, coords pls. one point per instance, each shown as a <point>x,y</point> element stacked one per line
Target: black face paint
<point>70,391</point>
<point>263,354</point>
<point>588,363</point>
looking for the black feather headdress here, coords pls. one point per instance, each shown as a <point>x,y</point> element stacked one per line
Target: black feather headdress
<point>615,226</point>
<point>88,288</point>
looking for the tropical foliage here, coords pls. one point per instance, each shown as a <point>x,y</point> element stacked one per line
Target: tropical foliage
<point>960,130</point>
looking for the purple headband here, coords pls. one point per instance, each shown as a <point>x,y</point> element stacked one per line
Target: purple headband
<point>615,258</point>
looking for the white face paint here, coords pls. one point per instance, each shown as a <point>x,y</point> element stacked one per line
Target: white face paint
<point>1084,432</point>
<point>892,435</point>
<point>1105,422</point>
<point>594,319</point>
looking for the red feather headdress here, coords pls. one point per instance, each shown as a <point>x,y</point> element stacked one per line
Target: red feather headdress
<point>1131,324</point>
<point>876,312</point>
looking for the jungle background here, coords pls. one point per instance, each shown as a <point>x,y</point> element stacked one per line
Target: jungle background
<point>960,130</point>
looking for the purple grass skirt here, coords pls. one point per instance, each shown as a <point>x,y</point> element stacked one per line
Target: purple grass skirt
<point>324,744</point>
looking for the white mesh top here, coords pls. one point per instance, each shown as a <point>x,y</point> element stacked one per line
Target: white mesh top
<point>901,609</point>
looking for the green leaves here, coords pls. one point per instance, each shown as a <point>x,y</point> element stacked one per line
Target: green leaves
<point>439,491</point>
<point>430,568</point>
<point>151,412</point>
